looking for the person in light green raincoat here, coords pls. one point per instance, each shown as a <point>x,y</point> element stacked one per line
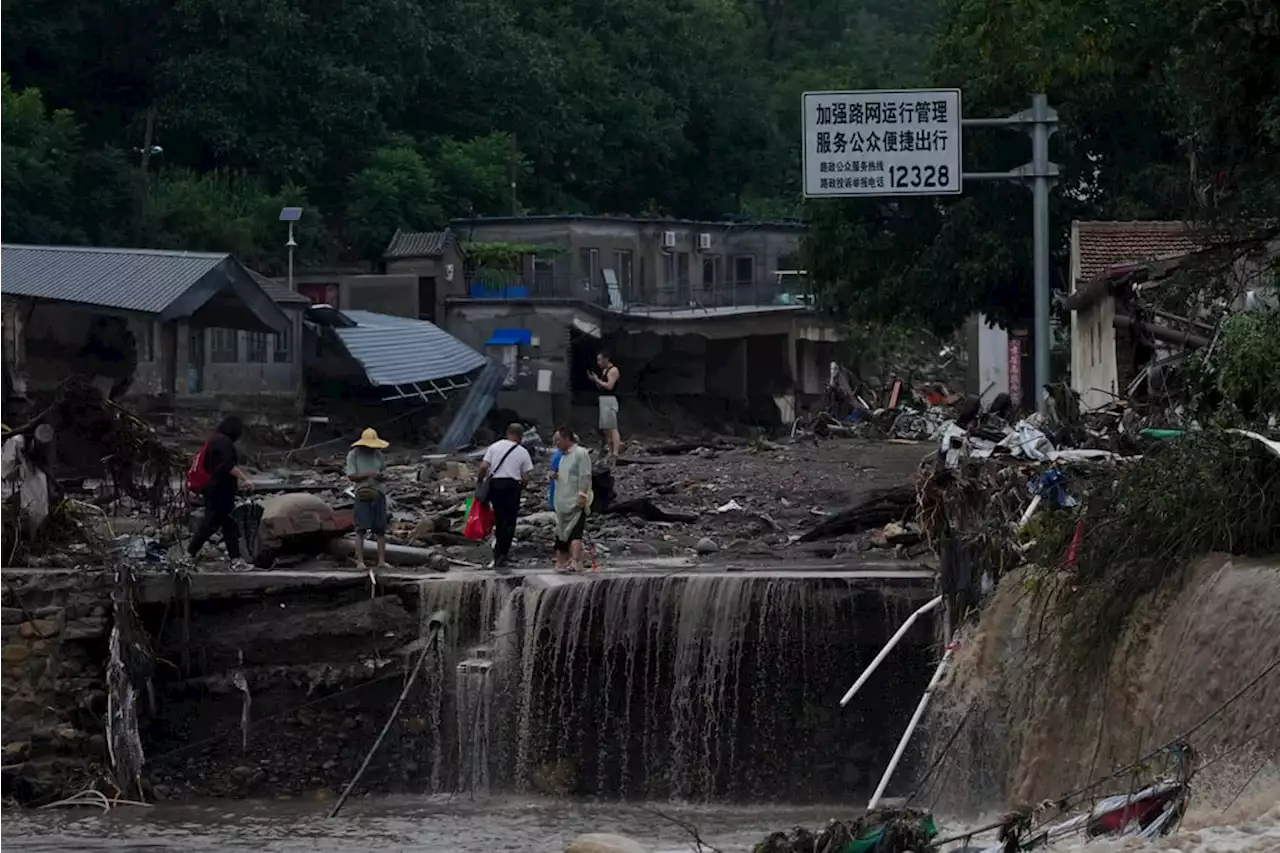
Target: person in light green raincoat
<point>572,501</point>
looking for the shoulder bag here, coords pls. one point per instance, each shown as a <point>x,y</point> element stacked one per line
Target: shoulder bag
<point>482,488</point>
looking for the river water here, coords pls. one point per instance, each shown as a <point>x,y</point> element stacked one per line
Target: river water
<point>498,825</point>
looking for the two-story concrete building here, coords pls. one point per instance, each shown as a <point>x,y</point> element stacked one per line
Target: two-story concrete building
<point>711,312</point>
<point>627,262</point>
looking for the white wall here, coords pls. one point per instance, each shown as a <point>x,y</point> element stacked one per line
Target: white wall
<point>993,361</point>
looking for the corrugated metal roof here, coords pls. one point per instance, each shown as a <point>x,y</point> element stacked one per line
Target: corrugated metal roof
<point>143,280</point>
<point>400,351</point>
<point>418,244</point>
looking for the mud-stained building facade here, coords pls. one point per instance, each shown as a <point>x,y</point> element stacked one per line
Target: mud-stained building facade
<point>713,314</point>
<point>182,326</point>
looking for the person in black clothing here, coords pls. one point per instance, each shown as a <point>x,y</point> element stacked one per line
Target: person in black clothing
<point>222,464</point>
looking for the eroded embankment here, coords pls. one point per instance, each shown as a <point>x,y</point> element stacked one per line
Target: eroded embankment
<point>1038,718</point>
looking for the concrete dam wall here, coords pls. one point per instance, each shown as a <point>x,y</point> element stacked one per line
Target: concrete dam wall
<point>691,686</point>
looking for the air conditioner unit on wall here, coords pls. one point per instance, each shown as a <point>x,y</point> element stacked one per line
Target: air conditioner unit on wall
<point>704,242</point>
<point>668,239</point>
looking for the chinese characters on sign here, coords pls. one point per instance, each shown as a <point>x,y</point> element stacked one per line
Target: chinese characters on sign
<point>1015,371</point>
<point>882,143</point>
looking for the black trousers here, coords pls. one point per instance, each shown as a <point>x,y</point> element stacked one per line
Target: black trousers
<point>504,499</point>
<point>218,504</point>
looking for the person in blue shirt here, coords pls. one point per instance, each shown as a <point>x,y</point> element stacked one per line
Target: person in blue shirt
<point>555,467</point>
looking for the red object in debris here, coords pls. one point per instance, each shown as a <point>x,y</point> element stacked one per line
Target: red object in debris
<point>1073,550</point>
<point>197,477</point>
<point>480,522</point>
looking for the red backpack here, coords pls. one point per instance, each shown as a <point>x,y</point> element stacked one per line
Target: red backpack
<point>197,476</point>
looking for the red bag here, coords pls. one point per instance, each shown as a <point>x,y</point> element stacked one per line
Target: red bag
<point>197,477</point>
<point>480,521</point>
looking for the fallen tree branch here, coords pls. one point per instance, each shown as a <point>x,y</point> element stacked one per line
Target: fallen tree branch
<point>698,844</point>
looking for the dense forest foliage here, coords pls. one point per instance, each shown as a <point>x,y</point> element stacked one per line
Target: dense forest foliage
<point>378,114</point>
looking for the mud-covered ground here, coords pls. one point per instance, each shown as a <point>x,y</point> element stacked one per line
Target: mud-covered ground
<point>730,498</point>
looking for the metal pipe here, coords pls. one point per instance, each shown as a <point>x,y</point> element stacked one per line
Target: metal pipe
<point>888,647</point>
<point>911,727</point>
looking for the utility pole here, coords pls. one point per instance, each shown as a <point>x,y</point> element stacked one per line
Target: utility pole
<point>148,143</point>
<point>512,164</point>
<point>1040,122</point>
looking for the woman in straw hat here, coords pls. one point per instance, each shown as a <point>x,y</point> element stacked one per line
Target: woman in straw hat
<point>365,468</point>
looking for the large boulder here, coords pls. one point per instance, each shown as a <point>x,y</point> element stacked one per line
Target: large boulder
<point>603,842</point>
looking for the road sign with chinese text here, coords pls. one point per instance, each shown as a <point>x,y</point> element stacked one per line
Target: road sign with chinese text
<point>882,143</point>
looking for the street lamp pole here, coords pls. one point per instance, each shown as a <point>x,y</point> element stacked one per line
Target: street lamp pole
<point>291,215</point>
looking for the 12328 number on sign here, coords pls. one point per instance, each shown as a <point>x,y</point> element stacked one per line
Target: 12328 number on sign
<point>920,177</point>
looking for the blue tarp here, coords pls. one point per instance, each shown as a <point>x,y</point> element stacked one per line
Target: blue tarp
<point>510,337</point>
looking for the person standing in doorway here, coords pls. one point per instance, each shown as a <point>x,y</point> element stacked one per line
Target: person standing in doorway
<point>572,501</point>
<point>606,380</point>
<point>221,463</point>
<point>366,466</point>
<point>505,463</point>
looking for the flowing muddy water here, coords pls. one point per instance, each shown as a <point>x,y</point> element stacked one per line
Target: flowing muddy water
<point>498,825</point>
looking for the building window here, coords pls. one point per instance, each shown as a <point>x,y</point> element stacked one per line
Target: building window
<point>788,263</point>
<point>623,265</point>
<point>224,345</point>
<point>589,266</point>
<point>544,274</point>
<point>144,339</point>
<point>255,347</point>
<point>744,270</point>
<point>676,269</point>
<point>508,356</point>
<point>712,270</point>
<point>281,346</point>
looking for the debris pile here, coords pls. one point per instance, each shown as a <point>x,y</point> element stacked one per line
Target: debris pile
<point>879,831</point>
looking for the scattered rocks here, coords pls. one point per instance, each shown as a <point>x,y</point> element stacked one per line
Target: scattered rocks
<point>706,545</point>
<point>15,653</point>
<point>17,751</point>
<point>41,629</point>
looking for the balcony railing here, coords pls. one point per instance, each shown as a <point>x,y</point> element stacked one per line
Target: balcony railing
<point>625,297</point>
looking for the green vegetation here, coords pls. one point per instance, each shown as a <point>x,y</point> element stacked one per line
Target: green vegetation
<point>378,114</point>
<point>385,114</point>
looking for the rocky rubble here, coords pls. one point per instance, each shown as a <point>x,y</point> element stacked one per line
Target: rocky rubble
<point>53,687</point>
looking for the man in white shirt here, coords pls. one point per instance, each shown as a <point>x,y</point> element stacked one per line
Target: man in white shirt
<point>506,463</point>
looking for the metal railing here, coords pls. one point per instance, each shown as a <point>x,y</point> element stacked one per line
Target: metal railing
<point>548,285</point>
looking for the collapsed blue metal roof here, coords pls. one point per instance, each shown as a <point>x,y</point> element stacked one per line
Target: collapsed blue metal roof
<point>401,351</point>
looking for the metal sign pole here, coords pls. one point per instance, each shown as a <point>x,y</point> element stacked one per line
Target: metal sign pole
<point>1040,122</point>
<point>883,143</point>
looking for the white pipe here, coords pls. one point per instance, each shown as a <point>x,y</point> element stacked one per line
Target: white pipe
<point>888,647</point>
<point>1030,511</point>
<point>911,727</point>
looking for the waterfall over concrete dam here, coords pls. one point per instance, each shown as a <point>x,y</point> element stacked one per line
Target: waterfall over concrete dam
<point>694,685</point>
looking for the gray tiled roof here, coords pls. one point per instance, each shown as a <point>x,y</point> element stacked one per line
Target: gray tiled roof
<point>279,292</point>
<point>400,351</point>
<point>143,280</point>
<point>418,244</point>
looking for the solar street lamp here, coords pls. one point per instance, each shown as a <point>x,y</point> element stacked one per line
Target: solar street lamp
<point>291,215</point>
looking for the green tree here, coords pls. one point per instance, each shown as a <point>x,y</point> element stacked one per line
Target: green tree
<point>396,190</point>
<point>39,153</point>
<point>475,175</point>
<point>937,260</point>
<point>54,191</point>
<point>231,212</point>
